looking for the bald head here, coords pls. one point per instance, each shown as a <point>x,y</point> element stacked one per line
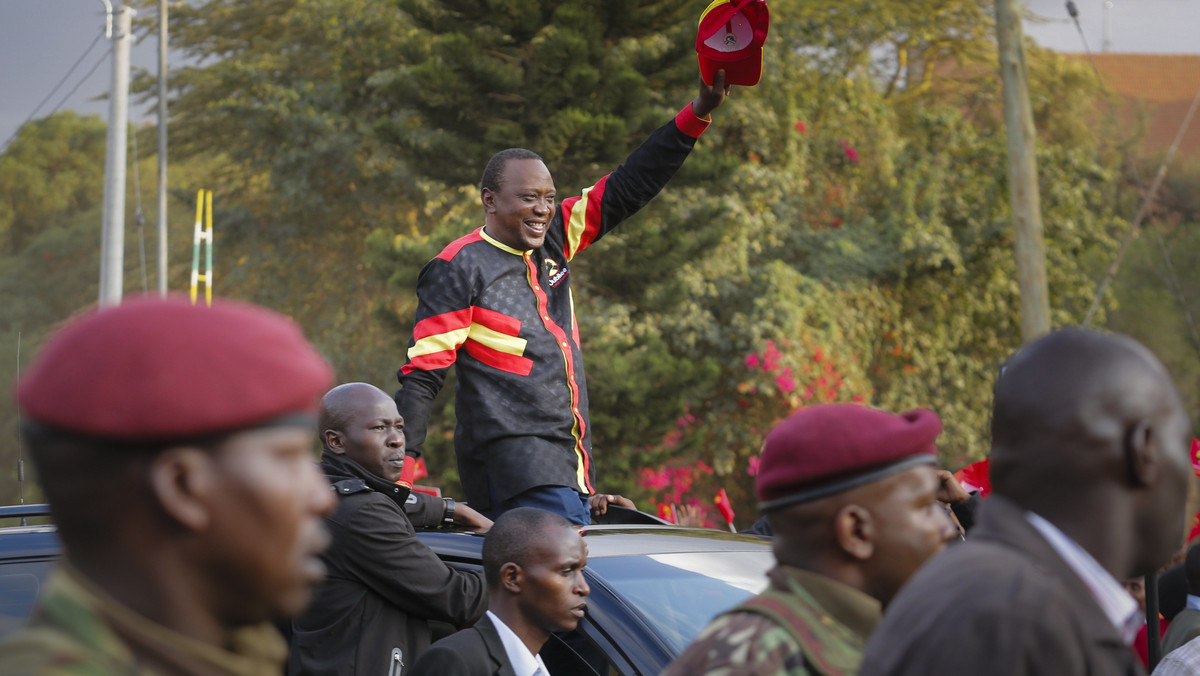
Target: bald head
<point>1065,405</point>
<point>1088,425</point>
<point>343,403</point>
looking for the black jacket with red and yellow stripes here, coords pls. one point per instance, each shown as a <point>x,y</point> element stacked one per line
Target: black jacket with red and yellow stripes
<point>506,319</point>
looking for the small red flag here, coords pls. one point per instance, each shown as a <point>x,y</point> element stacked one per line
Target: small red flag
<point>726,509</point>
<point>666,513</point>
<point>414,468</point>
<point>976,477</point>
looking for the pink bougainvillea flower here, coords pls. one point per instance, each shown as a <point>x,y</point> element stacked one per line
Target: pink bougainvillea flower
<point>785,383</point>
<point>851,153</point>
<point>801,127</point>
<point>771,352</point>
<point>752,466</point>
<point>751,360</point>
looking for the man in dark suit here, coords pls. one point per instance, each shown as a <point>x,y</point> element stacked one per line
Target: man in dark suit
<point>1089,473</point>
<point>533,562</point>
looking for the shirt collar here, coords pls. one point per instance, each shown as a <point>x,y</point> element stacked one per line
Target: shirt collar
<point>1118,606</point>
<point>524,663</point>
<point>497,243</point>
<point>1193,602</point>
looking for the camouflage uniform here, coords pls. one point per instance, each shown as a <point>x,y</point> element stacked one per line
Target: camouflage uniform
<point>804,624</point>
<point>77,630</point>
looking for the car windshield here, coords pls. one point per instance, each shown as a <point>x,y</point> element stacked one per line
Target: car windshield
<point>678,594</point>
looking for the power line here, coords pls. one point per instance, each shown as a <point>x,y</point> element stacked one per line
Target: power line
<point>1147,196</point>
<point>99,35</point>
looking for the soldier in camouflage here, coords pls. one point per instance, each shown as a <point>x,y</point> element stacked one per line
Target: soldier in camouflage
<point>852,495</point>
<point>174,445</point>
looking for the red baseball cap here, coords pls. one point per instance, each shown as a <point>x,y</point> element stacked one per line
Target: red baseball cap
<point>731,37</point>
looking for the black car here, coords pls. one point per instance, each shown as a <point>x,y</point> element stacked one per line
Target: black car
<point>653,587</point>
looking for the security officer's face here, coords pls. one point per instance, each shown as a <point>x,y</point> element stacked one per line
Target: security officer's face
<point>519,211</point>
<point>909,526</point>
<point>266,524</point>
<point>374,436</point>
<point>553,590</point>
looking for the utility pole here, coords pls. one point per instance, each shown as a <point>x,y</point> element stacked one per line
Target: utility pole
<point>112,243</point>
<point>162,147</point>
<point>1023,193</point>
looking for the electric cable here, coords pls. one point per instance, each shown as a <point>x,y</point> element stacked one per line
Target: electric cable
<point>61,82</point>
<point>1147,195</point>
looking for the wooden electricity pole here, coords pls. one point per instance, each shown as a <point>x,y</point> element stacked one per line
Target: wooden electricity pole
<point>1023,193</point>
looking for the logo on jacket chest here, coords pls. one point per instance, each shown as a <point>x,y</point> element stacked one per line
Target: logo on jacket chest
<point>554,273</point>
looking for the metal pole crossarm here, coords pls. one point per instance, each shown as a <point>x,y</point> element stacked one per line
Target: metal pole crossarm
<point>203,237</point>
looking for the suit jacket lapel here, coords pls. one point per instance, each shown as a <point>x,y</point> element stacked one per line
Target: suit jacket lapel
<point>495,647</point>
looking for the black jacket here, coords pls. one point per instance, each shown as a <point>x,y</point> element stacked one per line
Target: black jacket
<point>477,651</point>
<point>382,585</point>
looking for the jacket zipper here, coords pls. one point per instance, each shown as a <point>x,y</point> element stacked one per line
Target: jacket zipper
<point>397,662</point>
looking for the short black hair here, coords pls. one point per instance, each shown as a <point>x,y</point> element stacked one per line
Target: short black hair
<point>514,535</point>
<point>494,171</point>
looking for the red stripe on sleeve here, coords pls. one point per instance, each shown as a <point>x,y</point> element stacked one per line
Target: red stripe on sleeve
<point>430,362</point>
<point>443,323</point>
<point>593,215</point>
<point>499,360</point>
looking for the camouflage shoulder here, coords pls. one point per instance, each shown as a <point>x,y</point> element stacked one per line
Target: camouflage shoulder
<point>45,651</point>
<point>742,644</point>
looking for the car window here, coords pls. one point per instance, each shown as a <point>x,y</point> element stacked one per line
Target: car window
<point>19,586</point>
<point>678,594</point>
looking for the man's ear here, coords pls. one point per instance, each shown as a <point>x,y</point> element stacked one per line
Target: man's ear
<point>334,441</point>
<point>184,482</point>
<point>1141,454</point>
<point>854,530</point>
<point>512,577</point>
<point>489,200</point>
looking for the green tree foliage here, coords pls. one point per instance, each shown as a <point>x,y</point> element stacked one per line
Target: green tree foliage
<point>573,79</point>
<point>51,193</point>
<point>847,217</point>
<point>854,205</point>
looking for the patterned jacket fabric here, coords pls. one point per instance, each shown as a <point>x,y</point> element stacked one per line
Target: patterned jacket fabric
<point>803,624</point>
<point>506,320</point>
<point>78,630</point>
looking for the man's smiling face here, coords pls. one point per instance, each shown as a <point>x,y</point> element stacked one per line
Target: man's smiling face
<point>520,209</point>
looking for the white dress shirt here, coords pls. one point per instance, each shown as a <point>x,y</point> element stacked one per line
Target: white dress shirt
<point>1182,661</point>
<point>524,663</point>
<point>1118,606</point>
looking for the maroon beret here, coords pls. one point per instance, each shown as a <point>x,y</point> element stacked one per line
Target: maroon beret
<point>160,369</point>
<point>822,450</point>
